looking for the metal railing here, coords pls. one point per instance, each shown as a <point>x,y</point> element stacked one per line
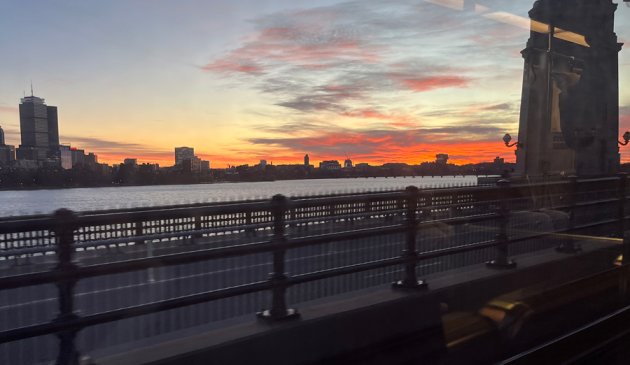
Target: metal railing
<point>284,226</point>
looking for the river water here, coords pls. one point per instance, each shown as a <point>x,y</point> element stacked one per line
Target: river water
<point>22,202</point>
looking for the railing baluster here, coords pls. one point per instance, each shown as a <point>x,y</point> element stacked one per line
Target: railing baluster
<point>64,233</point>
<point>139,231</point>
<point>502,260</point>
<point>567,244</point>
<point>278,278</point>
<point>248,221</point>
<point>410,252</point>
<point>198,227</point>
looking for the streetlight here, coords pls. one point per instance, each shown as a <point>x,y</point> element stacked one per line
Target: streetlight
<point>507,138</point>
<point>626,139</point>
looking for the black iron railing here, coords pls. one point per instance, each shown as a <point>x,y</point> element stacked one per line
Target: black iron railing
<point>282,226</point>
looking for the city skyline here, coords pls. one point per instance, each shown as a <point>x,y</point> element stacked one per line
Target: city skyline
<point>270,81</point>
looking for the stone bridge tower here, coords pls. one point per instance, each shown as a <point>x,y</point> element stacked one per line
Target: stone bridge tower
<point>569,118</point>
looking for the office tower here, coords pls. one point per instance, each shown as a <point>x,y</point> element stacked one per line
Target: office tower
<point>183,154</point>
<point>307,160</point>
<point>39,129</point>
<point>2,142</point>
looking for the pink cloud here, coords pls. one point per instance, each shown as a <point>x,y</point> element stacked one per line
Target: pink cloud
<point>434,82</point>
<point>395,120</point>
<point>305,44</point>
<point>233,66</point>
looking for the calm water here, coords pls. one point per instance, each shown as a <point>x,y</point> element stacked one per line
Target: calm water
<point>20,202</point>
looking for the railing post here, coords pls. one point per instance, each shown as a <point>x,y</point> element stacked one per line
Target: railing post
<point>410,252</point>
<point>198,227</point>
<point>248,222</point>
<point>278,278</point>
<point>502,261</point>
<point>292,217</point>
<point>139,232</point>
<point>567,244</point>
<point>64,227</point>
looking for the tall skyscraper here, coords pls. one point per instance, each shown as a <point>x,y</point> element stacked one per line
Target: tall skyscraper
<point>183,153</point>
<point>39,129</point>
<point>2,142</point>
<point>307,160</point>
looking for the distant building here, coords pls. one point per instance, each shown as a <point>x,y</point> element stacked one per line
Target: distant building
<point>205,165</point>
<point>27,164</point>
<point>330,165</point>
<point>263,163</point>
<point>39,129</point>
<point>307,160</point>
<point>347,164</point>
<point>131,162</point>
<point>441,159</point>
<point>191,164</point>
<point>362,165</point>
<point>78,156</point>
<point>183,153</point>
<point>91,159</point>
<point>149,168</point>
<point>7,153</point>
<point>498,161</point>
<point>65,157</point>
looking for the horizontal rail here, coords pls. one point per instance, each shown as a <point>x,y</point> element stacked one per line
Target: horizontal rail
<point>129,312</point>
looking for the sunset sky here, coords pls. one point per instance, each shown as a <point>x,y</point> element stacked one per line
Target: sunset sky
<point>244,80</point>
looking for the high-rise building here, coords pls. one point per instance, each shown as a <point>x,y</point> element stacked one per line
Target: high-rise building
<point>2,142</point>
<point>307,160</point>
<point>441,159</point>
<point>183,153</point>
<point>39,130</point>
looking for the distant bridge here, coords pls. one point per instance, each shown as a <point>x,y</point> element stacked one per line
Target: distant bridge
<point>101,279</point>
